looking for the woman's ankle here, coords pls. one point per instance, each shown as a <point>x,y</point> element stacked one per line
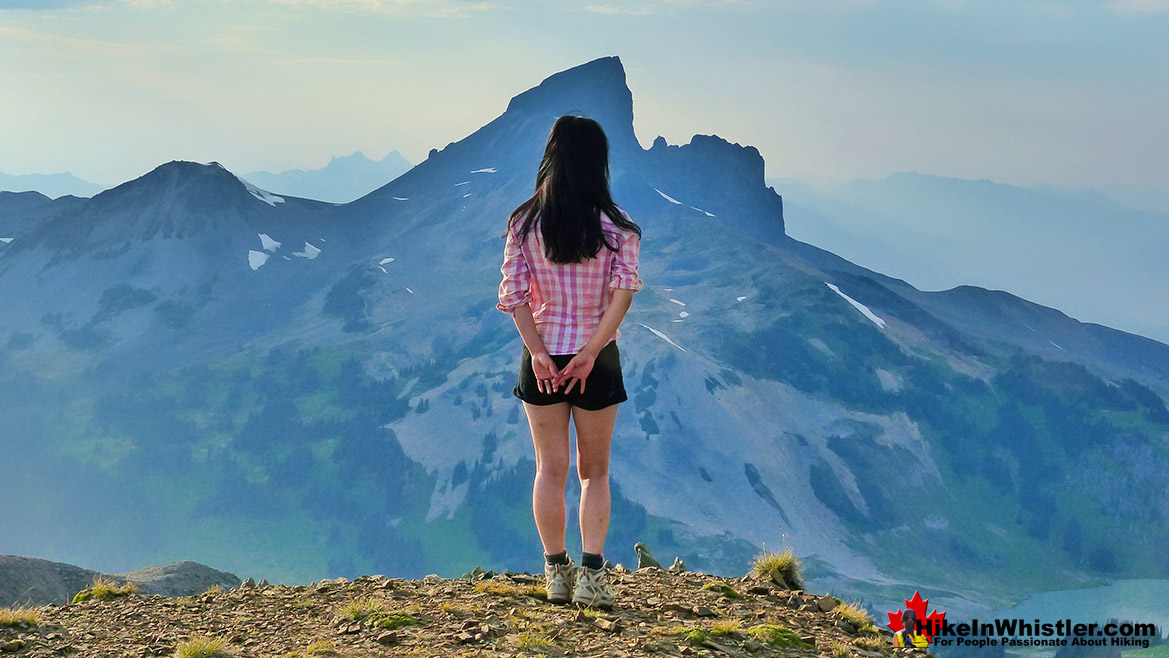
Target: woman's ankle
<point>592,560</point>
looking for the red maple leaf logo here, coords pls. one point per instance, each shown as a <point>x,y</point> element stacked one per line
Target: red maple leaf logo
<point>930,622</point>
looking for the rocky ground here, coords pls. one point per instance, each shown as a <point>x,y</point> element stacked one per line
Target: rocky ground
<point>658,612</point>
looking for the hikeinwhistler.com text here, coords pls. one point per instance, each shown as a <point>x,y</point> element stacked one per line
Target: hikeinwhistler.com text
<point>1036,633</point>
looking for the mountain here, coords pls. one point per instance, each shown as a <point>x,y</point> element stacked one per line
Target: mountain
<point>50,185</point>
<point>1080,252</point>
<point>341,181</point>
<point>345,408</point>
<point>35,582</point>
<point>491,614</point>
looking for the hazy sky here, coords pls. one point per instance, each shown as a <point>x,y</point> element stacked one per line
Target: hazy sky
<point>1018,91</point>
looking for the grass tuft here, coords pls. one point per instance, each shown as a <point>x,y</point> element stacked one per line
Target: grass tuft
<point>529,640</point>
<point>202,647</point>
<point>838,649</point>
<point>373,612</point>
<point>777,636</point>
<point>782,567</point>
<point>104,589</point>
<point>697,637</point>
<point>214,590</point>
<point>870,643</point>
<point>854,614</point>
<point>318,649</point>
<point>13,616</point>
<point>360,609</point>
<point>725,627</point>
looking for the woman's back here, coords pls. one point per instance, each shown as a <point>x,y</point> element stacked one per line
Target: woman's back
<point>567,299</point>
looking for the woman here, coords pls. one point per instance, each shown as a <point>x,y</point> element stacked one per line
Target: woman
<point>908,637</point>
<point>569,274</point>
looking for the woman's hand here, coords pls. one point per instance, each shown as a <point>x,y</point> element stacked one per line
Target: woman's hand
<point>577,370</point>
<point>545,370</point>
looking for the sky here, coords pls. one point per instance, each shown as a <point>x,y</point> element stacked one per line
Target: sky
<point>1015,91</point>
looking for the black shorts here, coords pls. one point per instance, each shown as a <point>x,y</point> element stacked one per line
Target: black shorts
<point>603,387</point>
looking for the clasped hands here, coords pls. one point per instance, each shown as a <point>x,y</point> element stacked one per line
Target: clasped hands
<point>549,379</point>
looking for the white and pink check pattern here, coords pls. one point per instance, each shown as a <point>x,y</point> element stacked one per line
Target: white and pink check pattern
<point>567,299</point>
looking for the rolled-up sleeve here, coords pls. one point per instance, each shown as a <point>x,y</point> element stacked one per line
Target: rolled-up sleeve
<point>624,275</point>
<point>516,287</point>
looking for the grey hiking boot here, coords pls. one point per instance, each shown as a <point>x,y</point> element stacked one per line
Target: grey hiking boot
<point>558,581</point>
<point>592,588</point>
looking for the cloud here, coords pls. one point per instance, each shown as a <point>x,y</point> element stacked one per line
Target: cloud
<point>1138,6</point>
<point>53,5</point>
<point>65,47</point>
<point>436,8</point>
<point>46,5</point>
<point>610,9</point>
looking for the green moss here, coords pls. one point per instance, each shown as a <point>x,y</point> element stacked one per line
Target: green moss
<point>391,620</point>
<point>723,589</point>
<point>777,636</point>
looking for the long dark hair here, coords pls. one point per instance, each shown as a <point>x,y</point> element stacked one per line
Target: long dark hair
<point>572,190</point>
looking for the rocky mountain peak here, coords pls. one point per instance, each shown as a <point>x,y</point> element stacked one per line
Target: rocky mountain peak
<point>192,185</point>
<point>595,89</point>
<point>660,612</point>
<point>711,151</point>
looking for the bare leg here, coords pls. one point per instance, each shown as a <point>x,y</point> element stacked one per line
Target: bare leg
<point>594,435</point>
<point>549,425</point>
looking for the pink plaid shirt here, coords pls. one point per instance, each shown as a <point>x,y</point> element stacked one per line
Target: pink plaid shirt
<point>567,299</point>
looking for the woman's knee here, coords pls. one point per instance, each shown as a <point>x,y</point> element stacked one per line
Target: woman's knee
<point>593,472</point>
<point>552,469</point>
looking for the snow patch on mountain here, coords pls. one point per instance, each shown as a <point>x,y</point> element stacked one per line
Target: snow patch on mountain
<point>310,252</point>
<point>268,242</point>
<point>662,336</point>
<point>669,198</point>
<point>6,240</point>
<point>256,259</point>
<point>859,306</point>
<point>263,195</point>
<point>674,201</point>
<point>486,170</point>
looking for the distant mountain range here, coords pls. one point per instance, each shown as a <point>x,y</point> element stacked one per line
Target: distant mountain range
<point>50,185</point>
<point>36,582</point>
<point>196,366</point>
<point>341,181</point>
<point>1081,252</point>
